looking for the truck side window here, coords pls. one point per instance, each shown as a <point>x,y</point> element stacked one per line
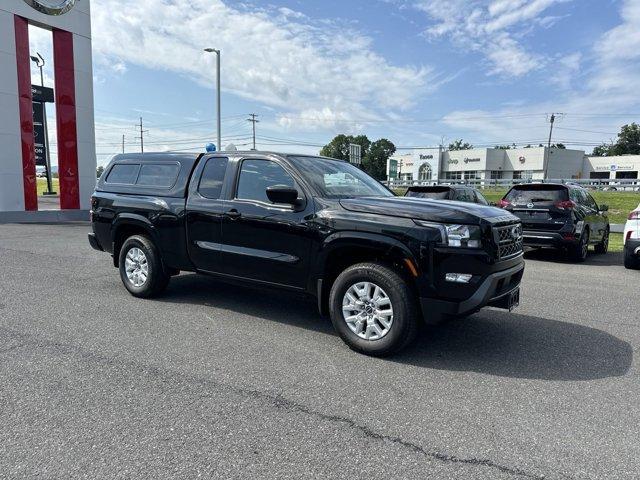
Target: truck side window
<point>123,173</point>
<point>257,175</point>
<point>158,175</point>
<point>210,185</point>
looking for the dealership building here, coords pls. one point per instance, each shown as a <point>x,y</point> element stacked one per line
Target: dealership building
<point>21,105</point>
<point>433,165</point>
<point>619,167</point>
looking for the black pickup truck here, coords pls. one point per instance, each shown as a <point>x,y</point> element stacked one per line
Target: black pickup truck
<point>376,262</point>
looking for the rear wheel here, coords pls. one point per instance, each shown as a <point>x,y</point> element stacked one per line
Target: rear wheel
<point>580,251</point>
<point>603,246</point>
<point>373,309</point>
<point>631,261</point>
<point>141,268</point>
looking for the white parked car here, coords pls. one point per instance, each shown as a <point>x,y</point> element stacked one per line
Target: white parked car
<point>632,240</point>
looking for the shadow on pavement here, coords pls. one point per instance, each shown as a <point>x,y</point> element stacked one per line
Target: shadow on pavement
<point>559,256</point>
<point>491,342</point>
<point>520,346</point>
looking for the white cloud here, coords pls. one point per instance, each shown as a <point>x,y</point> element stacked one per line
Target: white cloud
<point>595,106</point>
<point>277,57</point>
<point>492,28</point>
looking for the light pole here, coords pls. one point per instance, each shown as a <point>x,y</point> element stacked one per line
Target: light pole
<point>217,52</point>
<point>39,61</point>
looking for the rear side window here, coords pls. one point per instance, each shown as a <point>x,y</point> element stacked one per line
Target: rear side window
<point>480,198</point>
<point>537,194</point>
<point>213,177</point>
<point>464,195</point>
<point>158,175</point>
<point>435,194</point>
<point>123,173</point>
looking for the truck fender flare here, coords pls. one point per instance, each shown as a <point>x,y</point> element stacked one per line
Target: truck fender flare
<point>131,219</point>
<point>375,241</point>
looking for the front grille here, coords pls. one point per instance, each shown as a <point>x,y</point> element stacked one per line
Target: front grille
<point>508,240</point>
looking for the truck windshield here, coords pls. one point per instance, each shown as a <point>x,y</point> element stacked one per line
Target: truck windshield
<point>339,179</point>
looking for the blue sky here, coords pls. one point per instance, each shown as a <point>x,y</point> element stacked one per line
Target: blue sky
<point>413,71</point>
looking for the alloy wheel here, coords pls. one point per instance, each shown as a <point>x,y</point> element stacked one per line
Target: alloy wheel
<point>367,310</point>
<point>136,267</point>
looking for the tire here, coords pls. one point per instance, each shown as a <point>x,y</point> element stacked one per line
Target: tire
<point>578,253</point>
<point>603,246</point>
<point>631,261</point>
<point>156,279</point>
<point>394,292</point>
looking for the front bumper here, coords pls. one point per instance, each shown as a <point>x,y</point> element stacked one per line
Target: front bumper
<point>491,292</point>
<point>93,241</point>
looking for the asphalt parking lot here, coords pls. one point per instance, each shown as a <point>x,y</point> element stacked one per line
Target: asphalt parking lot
<point>226,382</point>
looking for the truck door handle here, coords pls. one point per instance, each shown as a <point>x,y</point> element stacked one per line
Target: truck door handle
<point>233,213</point>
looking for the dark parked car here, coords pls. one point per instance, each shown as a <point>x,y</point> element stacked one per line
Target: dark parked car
<point>460,193</point>
<point>559,216</point>
<point>375,262</point>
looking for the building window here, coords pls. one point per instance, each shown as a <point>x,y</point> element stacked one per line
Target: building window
<point>407,177</point>
<point>425,172</point>
<point>523,175</point>
<point>452,175</point>
<point>471,175</point>
<point>496,174</point>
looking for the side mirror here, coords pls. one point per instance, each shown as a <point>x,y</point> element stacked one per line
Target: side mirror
<point>604,208</point>
<point>282,194</point>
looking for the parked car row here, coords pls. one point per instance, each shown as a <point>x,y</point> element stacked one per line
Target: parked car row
<point>376,263</point>
<point>560,216</point>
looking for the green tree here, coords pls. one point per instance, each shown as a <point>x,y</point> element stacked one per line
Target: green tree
<point>339,146</point>
<point>628,143</point>
<point>601,150</point>
<point>460,145</point>
<point>375,162</point>
<point>99,171</point>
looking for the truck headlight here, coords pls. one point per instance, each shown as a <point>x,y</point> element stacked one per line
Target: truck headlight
<point>467,236</point>
<point>463,236</point>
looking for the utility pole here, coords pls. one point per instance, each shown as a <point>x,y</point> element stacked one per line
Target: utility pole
<point>123,143</point>
<point>142,132</point>
<point>253,121</point>
<point>552,120</point>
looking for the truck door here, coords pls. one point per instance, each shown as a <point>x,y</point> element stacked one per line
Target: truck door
<point>204,213</point>
<point>261,240</point>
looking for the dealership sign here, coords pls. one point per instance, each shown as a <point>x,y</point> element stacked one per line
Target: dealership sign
<point>52,7</point>
<point>614,167</point>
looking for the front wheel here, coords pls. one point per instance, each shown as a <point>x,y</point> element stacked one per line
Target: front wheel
<point>141,268</point>
<point>373,309</point>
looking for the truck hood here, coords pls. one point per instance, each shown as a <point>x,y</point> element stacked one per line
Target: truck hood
<point>439,211</point>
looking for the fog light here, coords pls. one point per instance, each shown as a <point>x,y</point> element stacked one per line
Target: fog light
<point>458,277</point>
